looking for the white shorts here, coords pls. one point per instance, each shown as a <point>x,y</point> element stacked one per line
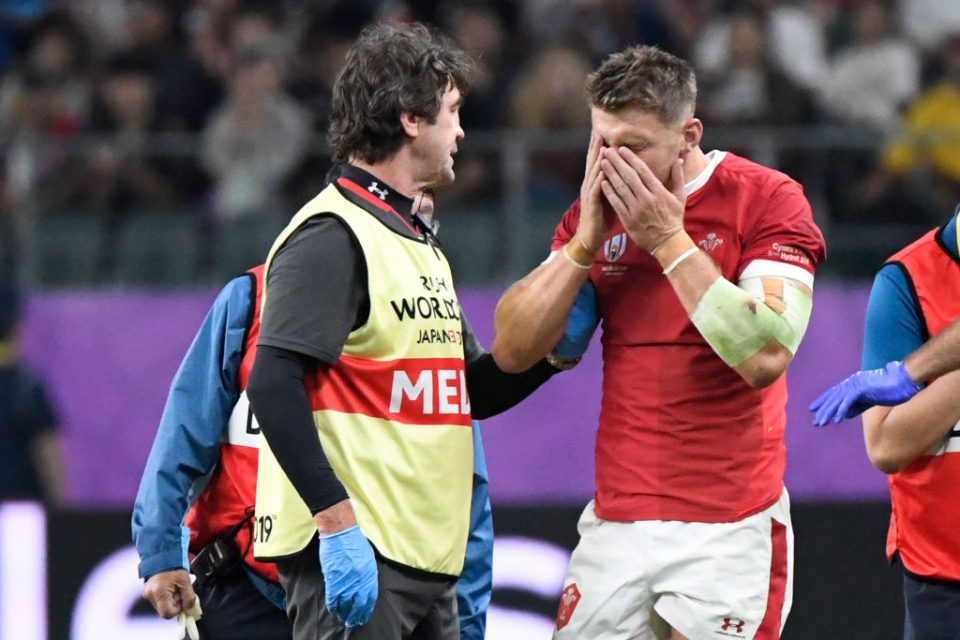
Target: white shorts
<point>709,581</point>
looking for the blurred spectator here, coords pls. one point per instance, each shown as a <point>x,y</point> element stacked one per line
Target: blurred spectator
<point>546,21</point>
<point>315,65</point>
<point>219,11</point>
<point>549,94</point>
<point>186,91</point>
<point>312,72</point>
<point>751,89</point>
<point>611,25</point>
<point>31,464</point>
<point>798,41</point>
<point>795,33</point>
<point>57,53</point>
<point>919,173</point>
<point>255,139</point>
<point>929,22</point>
<point>102,22</point>
<point>39,126</point>
<point>15,17</point>
<point>148,27</point>
<point>480,29</point>
<point>206,26</point>
<point>877,75</point>
<point>549,91</point>
<point>605,26</point>
<point>121,173</point>
<point>256,24</point>
<point>43,101</point>
<point>208,43</point>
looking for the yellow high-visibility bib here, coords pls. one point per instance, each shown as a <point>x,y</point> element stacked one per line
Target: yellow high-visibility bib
<point>393,415</point>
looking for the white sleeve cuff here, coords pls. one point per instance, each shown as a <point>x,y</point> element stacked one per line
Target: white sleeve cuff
<point>775,269</point>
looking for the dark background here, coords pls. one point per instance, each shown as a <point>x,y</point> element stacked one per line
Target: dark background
<point>843,586</point>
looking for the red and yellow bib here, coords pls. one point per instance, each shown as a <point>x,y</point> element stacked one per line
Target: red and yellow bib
<point>393,414</point>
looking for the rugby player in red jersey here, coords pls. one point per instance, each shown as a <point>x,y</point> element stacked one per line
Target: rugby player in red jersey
<point>703,265</point>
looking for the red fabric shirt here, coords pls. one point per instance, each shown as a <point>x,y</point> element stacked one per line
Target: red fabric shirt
<point>682,436</point>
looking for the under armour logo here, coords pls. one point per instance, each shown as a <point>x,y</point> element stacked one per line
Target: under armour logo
<point>735,624</point>
<point>711,242</point>
<point>375,188</point>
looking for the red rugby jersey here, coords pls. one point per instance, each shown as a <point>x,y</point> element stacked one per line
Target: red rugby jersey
<point>682,436</point>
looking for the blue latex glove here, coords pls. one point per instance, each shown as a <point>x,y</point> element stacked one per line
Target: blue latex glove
<point>888,386</point>
<point>350,573</point>
<point>581,324</point>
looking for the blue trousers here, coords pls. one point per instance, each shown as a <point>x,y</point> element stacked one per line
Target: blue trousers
<point>233,609</point>
<point>932,609</point>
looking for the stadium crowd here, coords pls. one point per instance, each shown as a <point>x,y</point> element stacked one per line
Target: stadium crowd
<point>219,107</point>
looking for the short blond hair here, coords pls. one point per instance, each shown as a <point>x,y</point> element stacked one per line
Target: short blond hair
<point>648,78</point>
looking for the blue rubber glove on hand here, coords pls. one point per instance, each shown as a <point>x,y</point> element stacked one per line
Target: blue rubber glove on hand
<point>581,324</point>
<point>350,573</point>
<point>888,386</point>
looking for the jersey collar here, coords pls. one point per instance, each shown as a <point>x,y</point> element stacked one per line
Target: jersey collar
<point>378,199</point>
<point>714,158</point>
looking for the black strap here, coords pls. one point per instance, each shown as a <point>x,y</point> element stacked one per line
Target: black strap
<point>232,532</point>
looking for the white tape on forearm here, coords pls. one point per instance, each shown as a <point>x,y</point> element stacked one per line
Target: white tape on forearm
<point>737,324</point>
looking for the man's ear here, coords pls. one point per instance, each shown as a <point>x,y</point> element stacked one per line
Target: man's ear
<point>692,134</point>
<point>410,124</point>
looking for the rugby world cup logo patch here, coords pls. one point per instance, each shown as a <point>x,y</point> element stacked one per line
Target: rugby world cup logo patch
<point>614,247</point>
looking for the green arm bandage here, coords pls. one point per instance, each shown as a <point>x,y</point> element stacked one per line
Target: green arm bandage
<point>737,324</point>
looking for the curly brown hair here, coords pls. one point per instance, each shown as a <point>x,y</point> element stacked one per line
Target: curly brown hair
<point>391,70</point>
<point>648,78</point>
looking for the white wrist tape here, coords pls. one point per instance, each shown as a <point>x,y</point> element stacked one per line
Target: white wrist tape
<point>737,324</point>
<point>676,262</point>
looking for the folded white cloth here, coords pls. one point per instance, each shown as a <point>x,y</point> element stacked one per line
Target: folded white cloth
<point>187,622</point>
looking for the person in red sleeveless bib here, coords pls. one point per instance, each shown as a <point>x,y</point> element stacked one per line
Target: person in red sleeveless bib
<point>703,266</point>
<point>908,392</point>
<point>195,501</point>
